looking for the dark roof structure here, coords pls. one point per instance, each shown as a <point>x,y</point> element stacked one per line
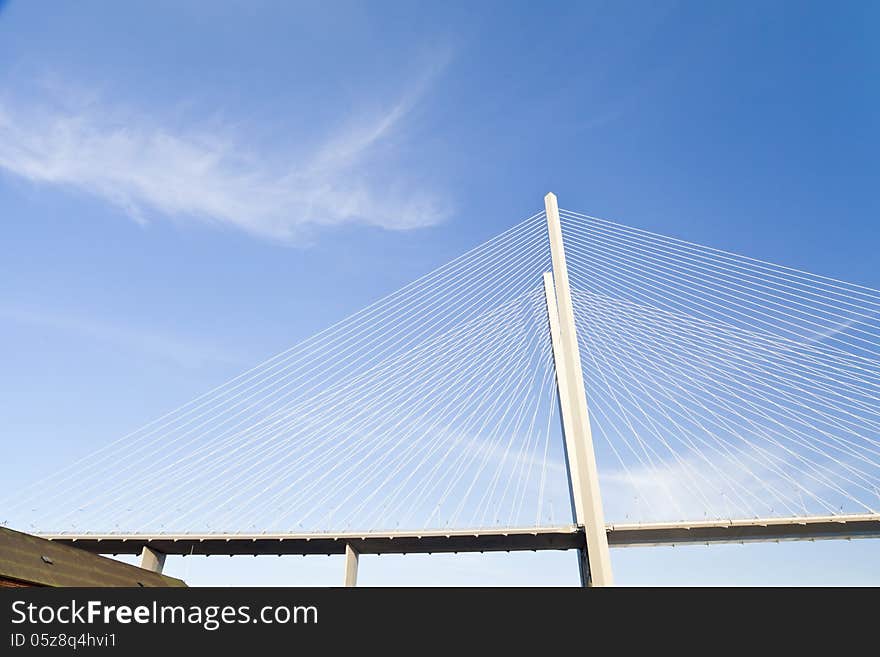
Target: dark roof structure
<point>31,560</point>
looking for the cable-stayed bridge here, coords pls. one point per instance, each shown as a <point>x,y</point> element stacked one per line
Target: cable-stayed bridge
<point>572,383</point>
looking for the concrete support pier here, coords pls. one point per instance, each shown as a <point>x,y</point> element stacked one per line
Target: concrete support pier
<point>351,565</point>
<point>152,560</point>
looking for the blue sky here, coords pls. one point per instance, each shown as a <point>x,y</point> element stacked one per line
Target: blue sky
<point>188,188</point>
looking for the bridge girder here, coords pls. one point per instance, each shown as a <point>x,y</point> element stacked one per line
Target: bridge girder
<point>484,540</point>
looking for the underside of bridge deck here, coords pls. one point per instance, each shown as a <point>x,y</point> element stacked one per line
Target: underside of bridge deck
<point>486,540</point>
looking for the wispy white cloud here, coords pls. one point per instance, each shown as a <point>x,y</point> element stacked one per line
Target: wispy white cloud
<point>180,351</point>
<point>145,168</point>
<point>763,482</point>
<point>839,328</point>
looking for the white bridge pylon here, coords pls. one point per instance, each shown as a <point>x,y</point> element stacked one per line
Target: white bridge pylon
<point>583,476</point>
<point>570,384</point>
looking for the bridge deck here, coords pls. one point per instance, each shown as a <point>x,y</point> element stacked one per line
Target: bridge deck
<point>484,540</point>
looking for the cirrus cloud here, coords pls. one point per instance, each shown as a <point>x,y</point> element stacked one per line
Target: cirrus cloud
<point>213,177</point>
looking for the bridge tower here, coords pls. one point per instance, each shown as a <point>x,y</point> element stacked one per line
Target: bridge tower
<point>594,559</point>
